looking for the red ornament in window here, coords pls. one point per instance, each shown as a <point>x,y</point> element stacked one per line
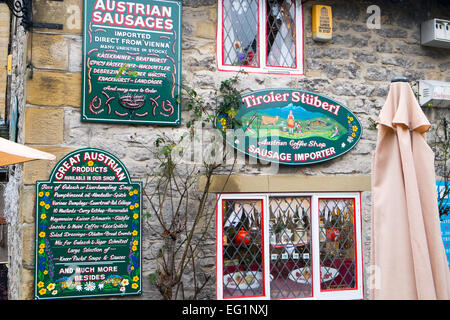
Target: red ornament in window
<point>242,237</point>
<point>333,234</point>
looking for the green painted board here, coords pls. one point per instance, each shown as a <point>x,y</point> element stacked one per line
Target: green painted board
<point>291,127</point>
<point>88,228</point>
<point>131,62</point>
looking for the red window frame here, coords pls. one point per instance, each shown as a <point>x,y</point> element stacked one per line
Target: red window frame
<point>263,65</point>
<point>317,292</point>
<point>219,245</point>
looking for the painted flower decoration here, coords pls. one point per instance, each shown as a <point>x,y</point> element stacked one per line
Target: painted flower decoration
<point>90,286</point>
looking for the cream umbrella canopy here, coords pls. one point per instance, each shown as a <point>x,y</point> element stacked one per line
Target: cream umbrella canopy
<point>12,153</point>
<point>407,250</point>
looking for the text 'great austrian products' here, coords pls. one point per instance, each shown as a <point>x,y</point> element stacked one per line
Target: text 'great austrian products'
<point>88,228</point>
<point>131,62</point>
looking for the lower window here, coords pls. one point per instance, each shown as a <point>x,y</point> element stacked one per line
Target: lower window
<point>289,246</point>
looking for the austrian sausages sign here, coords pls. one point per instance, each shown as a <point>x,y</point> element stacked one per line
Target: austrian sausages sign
<point>291,127</point>
<point>88,228</point>
<point>131,61</point>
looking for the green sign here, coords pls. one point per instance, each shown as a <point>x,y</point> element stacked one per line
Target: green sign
<point>88,228</point>
<point>291,127</point>
<point>131,62</point>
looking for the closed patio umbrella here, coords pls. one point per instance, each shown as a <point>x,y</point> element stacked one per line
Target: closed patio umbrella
<point>12,153</point>
<point>407,253</point>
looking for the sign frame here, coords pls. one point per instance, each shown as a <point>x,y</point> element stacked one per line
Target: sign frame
<point>298,142</point>
<point>91,274</point>
<point>156,103</point>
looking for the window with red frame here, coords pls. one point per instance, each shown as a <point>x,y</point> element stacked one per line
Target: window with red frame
<point>260,36</point>
<point>289,246</point>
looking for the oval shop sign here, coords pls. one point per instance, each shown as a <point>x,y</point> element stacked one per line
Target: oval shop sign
<point>291,127</point>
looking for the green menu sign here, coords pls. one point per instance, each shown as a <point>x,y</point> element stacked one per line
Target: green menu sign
<point>131,62</point>
<point>88,228</point>
<point>291,127</point>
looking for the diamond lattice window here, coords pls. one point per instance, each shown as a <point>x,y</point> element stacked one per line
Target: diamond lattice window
<point>260,36</point>
<point>289,246</point>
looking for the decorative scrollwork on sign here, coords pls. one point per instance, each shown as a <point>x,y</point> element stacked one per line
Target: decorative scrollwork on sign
<point>21,9</point>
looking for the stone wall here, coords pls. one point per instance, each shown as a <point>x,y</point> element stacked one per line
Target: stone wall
<point>354,68</point>
<point>19,275</point>
<point>4,42</point>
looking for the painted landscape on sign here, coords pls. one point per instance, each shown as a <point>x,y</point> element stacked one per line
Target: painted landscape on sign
<point>275,122</point>
<point>291,127</point>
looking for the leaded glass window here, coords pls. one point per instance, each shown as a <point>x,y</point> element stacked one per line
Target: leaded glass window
<point>240,25</point>
<point>260,36</point>
<point>280,21</point>
<point>289,246</point>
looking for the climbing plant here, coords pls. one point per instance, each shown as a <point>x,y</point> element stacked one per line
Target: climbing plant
<point>179,211</point>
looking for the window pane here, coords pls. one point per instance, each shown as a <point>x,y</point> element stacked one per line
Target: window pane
<point>290,241</point>
<point>281,33</point>
<point>240,32</point>
<point>337,244</point>
<point>242,248</point>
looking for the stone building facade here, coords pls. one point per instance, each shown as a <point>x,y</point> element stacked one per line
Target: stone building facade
<point>355,67</point>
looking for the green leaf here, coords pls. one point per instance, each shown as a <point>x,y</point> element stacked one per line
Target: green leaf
<point>153,277</point>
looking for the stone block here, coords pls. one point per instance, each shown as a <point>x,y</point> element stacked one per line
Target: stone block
<point>4,16</point>
<point>27,284</point>
<point>397,61</point>
<point>444,66</point>
<point>50,51</point>
<point>54,89</point>
<point>41,169</point>
<point>75,54</point>
<point>28,244</point>
<point>44,126</point>
<point>198,3</point>
<point>27,202</point>
<point>69,13</point>
<point>313,73</point>
<point>2,92</point>
<point>286,183</point>
<point>206,30</point>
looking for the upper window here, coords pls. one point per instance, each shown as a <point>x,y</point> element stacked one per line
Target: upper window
<point>260,36</point>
